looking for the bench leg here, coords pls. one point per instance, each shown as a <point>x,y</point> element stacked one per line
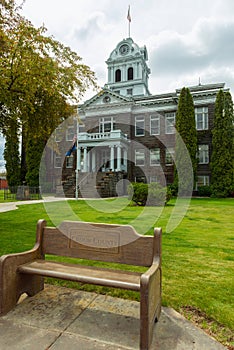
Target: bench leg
<point>150,309</point>
<point>13,284</point>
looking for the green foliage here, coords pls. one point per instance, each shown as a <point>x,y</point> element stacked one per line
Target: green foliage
<point>39,76</point>
<point>35,148</point>
<point>204,191</point>
<point>152,194</point>
<point>222,159</point>
<point>138,192</point>
<point>186,136</point>
<point>11,154</point>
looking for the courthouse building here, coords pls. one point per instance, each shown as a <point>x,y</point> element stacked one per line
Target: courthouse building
<point>126,132</point>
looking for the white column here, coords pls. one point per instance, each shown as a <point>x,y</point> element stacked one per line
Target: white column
<point>93,168</point>
<point>125,159</point>
<point>78,159</point>
<point>85,160</point>
<point>118,158</point>
<point>112,158</point>
<point>88,161</point>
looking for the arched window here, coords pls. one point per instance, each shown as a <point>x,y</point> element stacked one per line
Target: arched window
<point>130,73</point>
<point>117,75</point>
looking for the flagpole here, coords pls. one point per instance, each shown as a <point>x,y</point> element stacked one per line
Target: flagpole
<point>77,154</point>
<point>129,20</point>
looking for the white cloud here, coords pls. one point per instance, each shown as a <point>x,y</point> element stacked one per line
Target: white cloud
<point>186,39</point>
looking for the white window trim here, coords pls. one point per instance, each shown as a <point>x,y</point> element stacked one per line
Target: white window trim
<point>205,118</point>
<point>151,152</point>
<point>55,161</point>
<point>206,181</point>
<point>70,166</point>
<point>70,134</point>
<point>171,152</point>
<point>140,119</point>
<point>151,119</point>
<point>140,150</point>
<point>172,124</point>
<point>202,153</point>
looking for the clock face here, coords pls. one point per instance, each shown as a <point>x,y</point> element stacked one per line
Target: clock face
<point>124,49</point>
<point>106,99</point>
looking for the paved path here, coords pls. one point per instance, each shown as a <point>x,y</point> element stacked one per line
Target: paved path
<point>60,318</point>
<point>8,206</point>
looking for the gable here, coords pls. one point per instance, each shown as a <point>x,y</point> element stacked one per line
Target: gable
<point>105,98</point>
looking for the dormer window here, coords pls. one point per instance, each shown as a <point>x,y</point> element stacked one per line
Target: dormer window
<point>130,73</point>
<point>117,75</point>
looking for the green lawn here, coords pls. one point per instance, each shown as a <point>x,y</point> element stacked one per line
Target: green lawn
<point>198,264</point>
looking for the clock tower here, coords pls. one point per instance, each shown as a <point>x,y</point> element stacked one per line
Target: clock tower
<point>128,72</point>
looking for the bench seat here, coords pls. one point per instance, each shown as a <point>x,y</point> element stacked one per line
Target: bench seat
<point>84,274</point>
<point>114,245</point>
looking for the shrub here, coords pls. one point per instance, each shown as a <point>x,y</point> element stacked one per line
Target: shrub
<point>204,191</point>
<point>152,194</point>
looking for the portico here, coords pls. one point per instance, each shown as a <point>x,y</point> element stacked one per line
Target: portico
<point>102,152</point>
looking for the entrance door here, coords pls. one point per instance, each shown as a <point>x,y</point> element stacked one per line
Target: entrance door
<point>105,160</point>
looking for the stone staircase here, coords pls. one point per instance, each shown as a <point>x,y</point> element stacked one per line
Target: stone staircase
<point>93,185</point>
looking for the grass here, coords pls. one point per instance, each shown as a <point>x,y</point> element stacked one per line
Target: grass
<point>197,256</point>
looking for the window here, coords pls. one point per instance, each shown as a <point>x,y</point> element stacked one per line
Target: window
<point>155,156</point>
<point>58,134</point>
<point>203,154</point>
<point>70,133</point>
<point>117,75</point>
<point>69,162</point>
<point>154,125</point>
<point>201,117</point>
<point>153,179</point>
<point>140,157</point>
<point>170,123</point>
<point>140,126</point>
<point>203,180</point>
<point>169,156</point>
<point>106,124</point>
<point>57,161</point>
<point>129,91</point>
<point>130,73</point>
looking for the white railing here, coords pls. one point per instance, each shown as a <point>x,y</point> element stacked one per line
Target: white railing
<point>115,134</point>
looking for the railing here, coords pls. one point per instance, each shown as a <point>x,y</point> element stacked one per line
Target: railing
<point>22,193</point>
<point>115,134</point>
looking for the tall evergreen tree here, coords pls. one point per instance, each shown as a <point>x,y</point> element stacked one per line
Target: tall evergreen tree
<point>222,159</point>
<point>11,154</point>
<point>186,143</point>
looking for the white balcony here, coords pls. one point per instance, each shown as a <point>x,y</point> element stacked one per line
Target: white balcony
<point>101,136</point>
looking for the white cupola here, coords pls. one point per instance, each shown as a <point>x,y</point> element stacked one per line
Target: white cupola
<point>128,72</point>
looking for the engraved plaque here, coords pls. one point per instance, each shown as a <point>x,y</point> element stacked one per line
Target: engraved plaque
<point>95,240</point>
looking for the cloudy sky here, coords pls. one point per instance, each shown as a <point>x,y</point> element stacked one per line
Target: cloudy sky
<point>186,39</point>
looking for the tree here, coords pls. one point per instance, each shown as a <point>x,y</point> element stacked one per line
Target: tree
<point>37,74</point>
<point>222,158</point>
<point>186,140</point>
<point>11,154</point>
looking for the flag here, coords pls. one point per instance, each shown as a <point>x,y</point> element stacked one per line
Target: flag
<point>73,147</point>
<point>129,16</point>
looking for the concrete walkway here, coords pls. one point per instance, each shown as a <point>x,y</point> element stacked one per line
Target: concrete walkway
<point>8,206</point>
<point>59,318</point>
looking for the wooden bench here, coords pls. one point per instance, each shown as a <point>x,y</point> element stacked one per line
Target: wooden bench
<point>23,272</point>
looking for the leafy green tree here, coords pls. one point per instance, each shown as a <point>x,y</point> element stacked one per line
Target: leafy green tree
<point>37,73</point>
<point>186,137</point>
<point>222,158</point>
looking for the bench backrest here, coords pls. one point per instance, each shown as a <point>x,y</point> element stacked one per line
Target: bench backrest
<point>110,243</point>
